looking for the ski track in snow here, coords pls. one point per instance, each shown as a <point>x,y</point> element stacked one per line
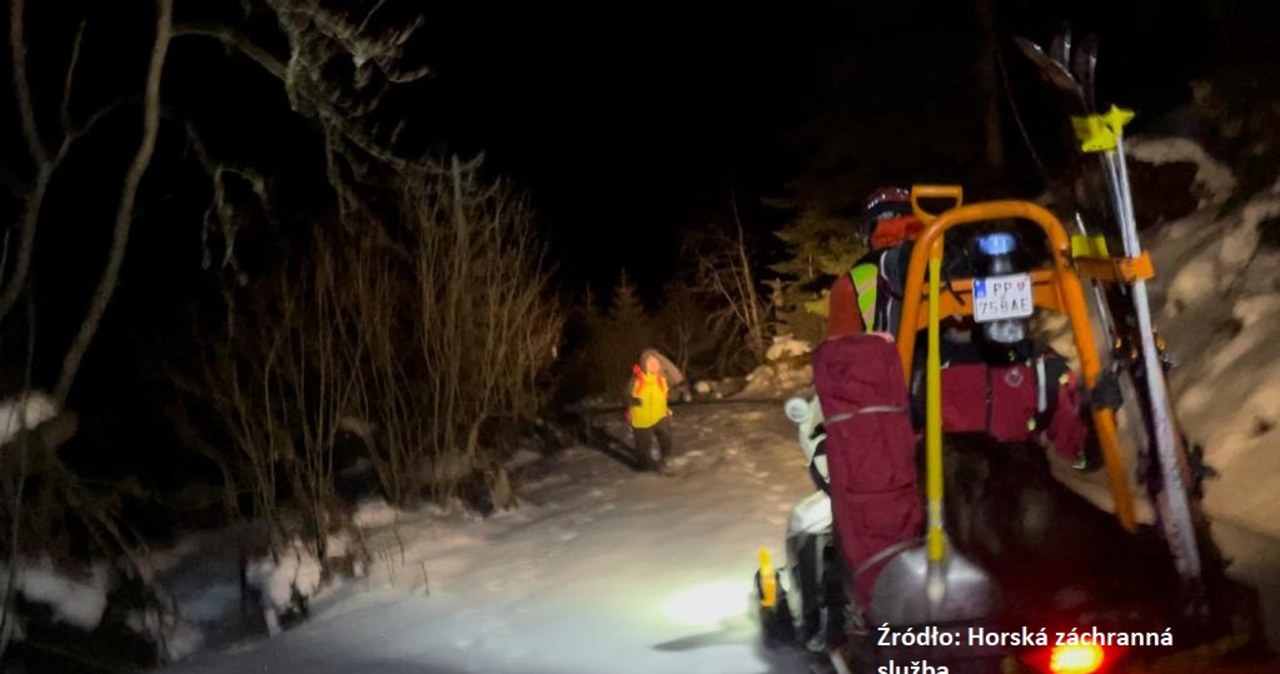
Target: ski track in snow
<point>602,570</point>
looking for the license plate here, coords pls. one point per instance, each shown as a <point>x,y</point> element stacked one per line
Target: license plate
<point>998,298</point>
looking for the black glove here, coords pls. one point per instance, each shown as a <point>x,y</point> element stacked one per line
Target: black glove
<point>636,402</point>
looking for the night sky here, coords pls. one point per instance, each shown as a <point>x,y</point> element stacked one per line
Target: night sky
<point>631,126</point>
<point>628,127</point>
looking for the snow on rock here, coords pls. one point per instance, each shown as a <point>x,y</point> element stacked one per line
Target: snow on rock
<point>776,380</point>
<point>76,599</point>
<point>23,412</point>
<point>298,573</point>
<point>1212,176</point>
<point>785,346</point>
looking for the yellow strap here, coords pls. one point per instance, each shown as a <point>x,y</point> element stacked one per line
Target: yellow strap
<point>1100,132</point>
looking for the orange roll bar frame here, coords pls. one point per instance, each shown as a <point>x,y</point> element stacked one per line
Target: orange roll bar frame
<point>1057,289</point>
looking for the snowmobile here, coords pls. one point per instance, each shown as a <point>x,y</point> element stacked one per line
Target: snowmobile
<point>937,603</point>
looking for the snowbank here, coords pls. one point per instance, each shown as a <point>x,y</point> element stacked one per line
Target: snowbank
<point>1222,316</point>
<point>1214,301</point>
<point>1215,181</point>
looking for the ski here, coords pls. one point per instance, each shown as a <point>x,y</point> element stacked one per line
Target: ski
<point>1127,308</point>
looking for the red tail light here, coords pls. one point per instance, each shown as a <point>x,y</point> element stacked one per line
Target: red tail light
<point>1073,659</point>
<point>1081,659</point>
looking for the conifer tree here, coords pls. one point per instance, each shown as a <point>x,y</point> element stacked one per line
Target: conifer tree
<point>820,248</point>
<point>625,332</point>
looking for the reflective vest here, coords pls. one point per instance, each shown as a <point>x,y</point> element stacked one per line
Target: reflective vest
<point>651,389</point>
<point>864,277</point>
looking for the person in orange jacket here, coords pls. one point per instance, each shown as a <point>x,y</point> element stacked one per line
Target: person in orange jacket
<point>649,414</point>
<point>887,221</point>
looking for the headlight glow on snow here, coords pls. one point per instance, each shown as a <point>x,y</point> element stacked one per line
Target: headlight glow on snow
<point>708,604</point>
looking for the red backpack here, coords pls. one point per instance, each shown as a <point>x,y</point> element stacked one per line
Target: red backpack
<point>1029,401</point>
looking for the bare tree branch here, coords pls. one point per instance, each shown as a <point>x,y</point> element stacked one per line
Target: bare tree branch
<point>725,275</point>
<point>304,97</point>
<point>45,165</point>
<point>124,212</point>
<point>22,87</point>
<point>26,240</point>
<point>231,37</point>
<point>39,154</point>
<point>221,209</point>
<point>70,79</point>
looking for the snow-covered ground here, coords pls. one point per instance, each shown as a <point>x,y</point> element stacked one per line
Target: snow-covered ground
<point>602,570</point>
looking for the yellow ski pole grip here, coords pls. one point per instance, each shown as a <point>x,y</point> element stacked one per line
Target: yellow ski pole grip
<point>1100,132</point>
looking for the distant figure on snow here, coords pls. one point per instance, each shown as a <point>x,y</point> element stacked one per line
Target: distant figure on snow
<point>650,417</point>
